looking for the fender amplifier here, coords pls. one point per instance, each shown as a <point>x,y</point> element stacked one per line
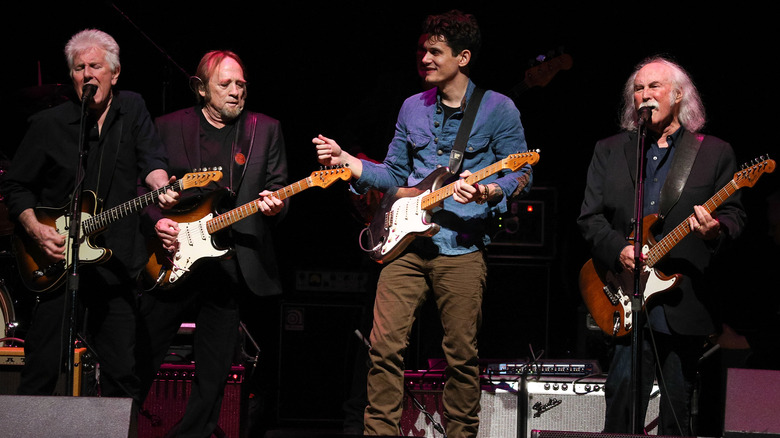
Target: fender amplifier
<point>575,405</point>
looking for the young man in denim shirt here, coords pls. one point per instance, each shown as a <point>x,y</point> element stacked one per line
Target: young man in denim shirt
<point>449,266</point>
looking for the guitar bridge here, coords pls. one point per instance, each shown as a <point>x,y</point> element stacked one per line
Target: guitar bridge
<point>388,219</point>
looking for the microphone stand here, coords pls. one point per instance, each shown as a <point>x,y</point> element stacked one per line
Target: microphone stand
<point>74,237</point>
<point>637,303</point>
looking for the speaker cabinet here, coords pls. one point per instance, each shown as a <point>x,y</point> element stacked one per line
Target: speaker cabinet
<point>167,400</point>
<point>752,403</point>
<point>567,404</point>
<point>64,416</point>
<point>423,409</point>
<point>317,351</point>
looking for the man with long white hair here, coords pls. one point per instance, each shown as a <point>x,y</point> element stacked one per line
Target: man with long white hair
<point>683,169</point>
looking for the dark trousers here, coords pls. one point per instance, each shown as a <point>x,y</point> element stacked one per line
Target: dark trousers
<point>207,298</point>
<point>106,307</point>
<point>673,362</point>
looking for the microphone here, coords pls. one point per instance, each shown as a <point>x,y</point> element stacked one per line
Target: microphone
<point>88,92</point>
<point>645,112</point>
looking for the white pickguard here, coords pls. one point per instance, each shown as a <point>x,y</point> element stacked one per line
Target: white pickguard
<point>195,243</point>
<point>404,218</point>
<point>654,284</point>
<point>87,253</point>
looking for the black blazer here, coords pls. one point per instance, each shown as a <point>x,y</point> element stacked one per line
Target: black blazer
<point>262,143</point>
<point>608,207</point>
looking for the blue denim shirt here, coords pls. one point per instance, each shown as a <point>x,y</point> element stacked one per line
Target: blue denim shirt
<point>422,143</point>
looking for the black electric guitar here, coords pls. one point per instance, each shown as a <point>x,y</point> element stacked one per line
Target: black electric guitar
<point>406,214</point>
<point>40,274</point>
<point>608,295</point>
<point>198,225</point>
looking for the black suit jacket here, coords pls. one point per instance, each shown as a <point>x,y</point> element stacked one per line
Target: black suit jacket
<point>44,168</point>
<point>608,208</point>
<point>262,143</point>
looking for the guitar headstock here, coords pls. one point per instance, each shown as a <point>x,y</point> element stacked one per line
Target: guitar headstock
<point>749,173</point>
<point>325,177</point>
<point>516,161</point>
<point>200,179</point>
<point>541,75</point>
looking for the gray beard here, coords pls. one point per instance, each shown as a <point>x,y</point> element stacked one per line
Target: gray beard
<point>231,114</point>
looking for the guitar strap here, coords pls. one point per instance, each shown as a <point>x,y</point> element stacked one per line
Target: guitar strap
<point>456,156</point>
<point>679,171</point>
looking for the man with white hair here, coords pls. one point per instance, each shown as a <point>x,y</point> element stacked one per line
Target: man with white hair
<point>121,147</point>
<point>682,170</point>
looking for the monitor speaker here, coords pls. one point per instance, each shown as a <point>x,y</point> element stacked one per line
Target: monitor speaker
<point>752,401</point>
<point>65,416</point>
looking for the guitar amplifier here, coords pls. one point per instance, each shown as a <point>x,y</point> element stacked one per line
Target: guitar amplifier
<point>167,400</point>
<point>575,405</point>
<point>12,362</point>
<point>423,409</point>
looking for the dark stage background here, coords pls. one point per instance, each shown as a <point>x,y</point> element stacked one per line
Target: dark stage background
<point>343,68</point>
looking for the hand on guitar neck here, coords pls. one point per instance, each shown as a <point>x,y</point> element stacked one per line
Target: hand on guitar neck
<point>158,179</point>
<point>167,229</point>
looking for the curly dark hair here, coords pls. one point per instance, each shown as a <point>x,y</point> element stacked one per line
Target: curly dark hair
<point>460,31</point>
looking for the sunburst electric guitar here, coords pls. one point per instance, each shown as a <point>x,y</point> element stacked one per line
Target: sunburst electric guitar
<point>406,214</point>
<point>198,225</point>
<point>608,295</point>
<point>40,274</point>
